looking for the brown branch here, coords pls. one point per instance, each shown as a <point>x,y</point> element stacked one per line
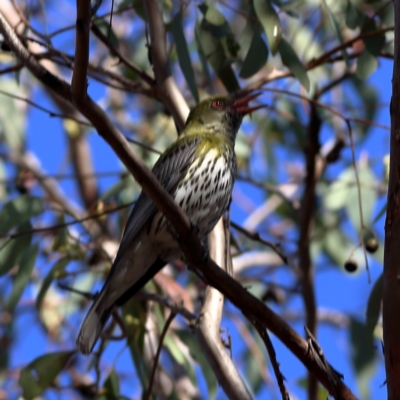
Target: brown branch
<point>207,328</point>
<point>115,52</point>
<point>272,356</point>
<point>189,242</point>
<point>391,274</point>
<point>307,209</point>
<point>256,237</point>
<point>166,87</point>
<point>157,356</point>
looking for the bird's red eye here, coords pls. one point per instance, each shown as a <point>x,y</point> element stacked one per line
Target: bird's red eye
<point>217,104</point>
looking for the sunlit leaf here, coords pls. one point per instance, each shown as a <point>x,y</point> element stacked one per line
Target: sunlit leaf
<point>368,197</point>
<point>13,249</point>
<point>271,23</point>
<point>22,278</point>
<point>290,60</point>
<point>366,65</point>
<point>217,24</point>
<point>12,115</point>
<point>54,273</point>
<point>183,54</point>
<point>374,303</point>
<point>19,210</point>
<point>38,375</point>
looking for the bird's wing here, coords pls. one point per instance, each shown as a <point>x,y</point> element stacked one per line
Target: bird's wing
<point>170,169</point>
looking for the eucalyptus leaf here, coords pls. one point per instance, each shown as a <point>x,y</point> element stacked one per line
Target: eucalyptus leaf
<point>366,65</point>
<point>26,266</point>
<point>13,249</point>
<point>56,269</point>
<point>183,54</point>
<point>198,355</point>
<point>19,210</point>
<point>375,303</point>
<point>337,31</point>
<point>270,20</point>
<point>256,57</point>
<point>292,61</point>
<point>38,375</point>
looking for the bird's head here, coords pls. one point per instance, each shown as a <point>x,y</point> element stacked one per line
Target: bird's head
<point>219,114</point>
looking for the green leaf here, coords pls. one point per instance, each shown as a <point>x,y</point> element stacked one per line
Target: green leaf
<point>218,25</point>
<point>338,192</point>
<point>375,43</point>
<point>290,60</point>
<point>337,31</point>
<point>354,17</point>
<point>56,269</point>
<point>363,356</point>
<point>111,388</point>
<point>374,303</point>
<point>216,55</point>
<point>3,178</point>
<point>203,60</point>
<point>366,65</point>
<point>256,57</point>
<point>107,30</point>
<point>270,20</point>
<point>198,355</point>
<point>24,273</point>
<point>368,197</point>
<point>13,249</point>
<point>38,375</point>
<point>135,315</point>
<point>12,118</point>
<point>19,210</point>
<point>183,54</point>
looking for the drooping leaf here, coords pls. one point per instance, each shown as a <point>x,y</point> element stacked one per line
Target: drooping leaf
<point>12,118</point>
<point>203,60</point>
<point>354,16</point>
<point>366,65</point>
<point>270,20</point>
<point>183,54</point>
<point>256,57</point>
<point>55,271</point>
<point>373,43</point>
<point>111,388</point>
<point>337,31</point>
<point>215,54</point>
<point>374,303</point>
<point>368,197</point>
<point>11,250</point>
<point>198,355</point>
<point>24,273</point>
<point>363,355</point>
<point>217,24</point>
<point>38,375</point>
<point>18,211</point>
<point>290,60</point>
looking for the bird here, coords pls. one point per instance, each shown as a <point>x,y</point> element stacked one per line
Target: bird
<point>198,170</point>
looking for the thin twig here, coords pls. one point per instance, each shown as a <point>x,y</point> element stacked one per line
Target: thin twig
<point>160,344</point>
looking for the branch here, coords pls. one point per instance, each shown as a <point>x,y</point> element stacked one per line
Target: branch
<point>208,325</point>
<point>391,272</point>
<point>167,90</point>
<point>190,244</point>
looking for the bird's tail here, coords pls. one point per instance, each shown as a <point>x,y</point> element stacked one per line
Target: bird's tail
<point>94,322</point>
<point>101,309</point>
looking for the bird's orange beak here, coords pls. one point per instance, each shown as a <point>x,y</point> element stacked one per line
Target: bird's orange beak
<point>240,105</point>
